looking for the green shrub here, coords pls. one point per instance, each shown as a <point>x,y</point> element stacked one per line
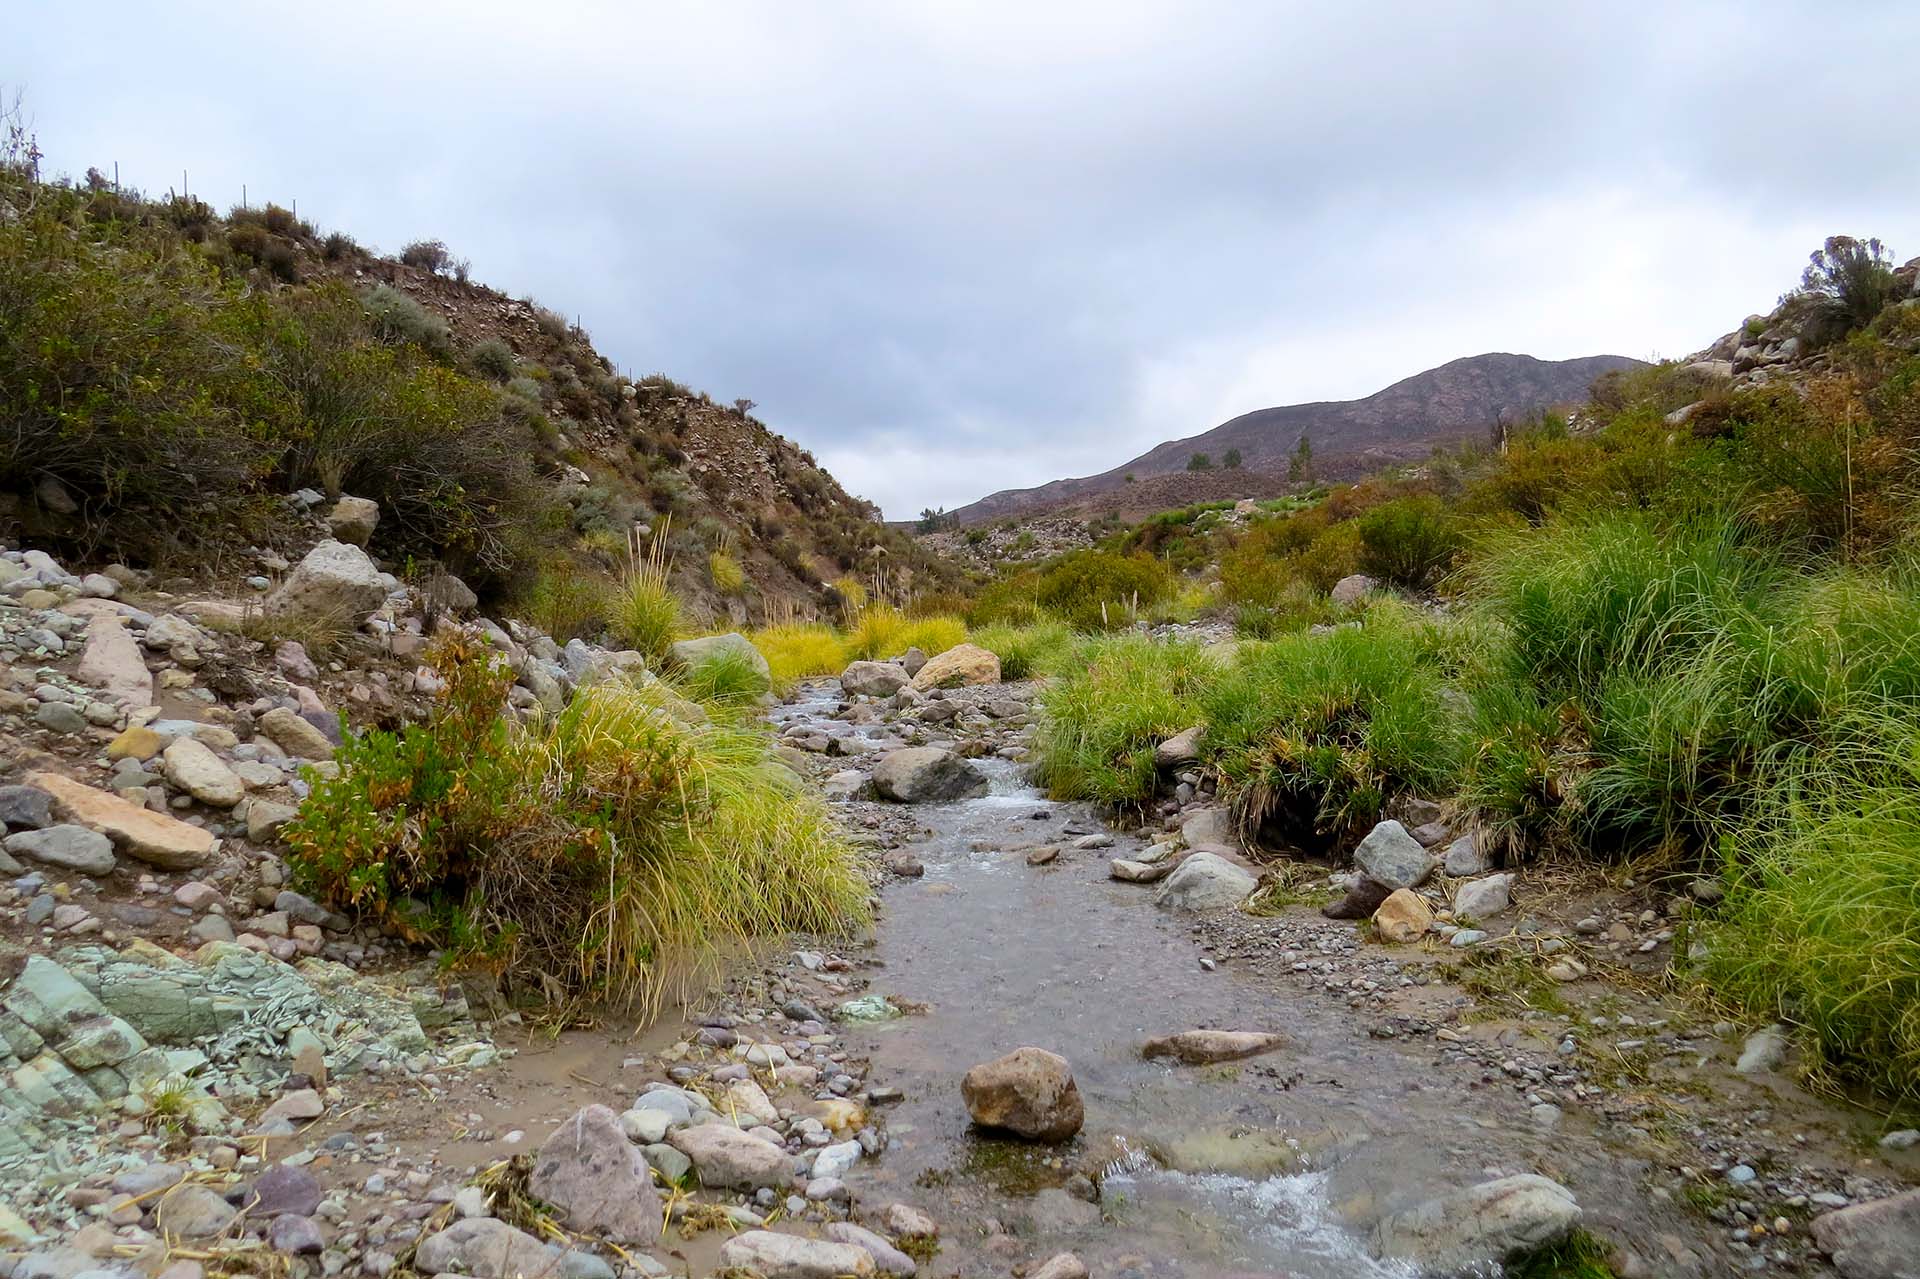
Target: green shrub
<point>1098,591</point>
<point>494,359</point>
<point>1312,735</point>
<point>616,850</point>
<point>399,318</point>
<point>1409,541</point>
<point>1115,700</point>
<point>1847,283</point>
<point>430,256</point>
<point>566,602</point>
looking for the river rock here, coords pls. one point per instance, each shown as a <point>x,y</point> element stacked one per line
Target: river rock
<point>296,1235</point>
<point>25,808</point>
<point>335,582</point>
<point>1403,917</point>
<point>926,775</point>
<point>192,1212</point>
<point>1763,1051</point>
<point>1205,881</point>
<point>265,818</point>
<point>353,519</point>
<point>1875,1240</point>
<point>874,679</point>
<point>193,768</point>
<point>1030,1092</point>
<point>68,847</point>
<point>112,661</point>
<point>1352,589</point>
<point>284,1188</point>
<point>597,1179</point>
<point>1363,898</point>
<point>1138,872</point>
<point>60,717</point>
<point>1062,1265</point>
<point>1495,1221</point>
<point>1483,898</point>
<point>888,1259</point>
<point>904,1221</point>
<point>1393,857</point>
<point>1204,1047</point>
<point>690,653</point>
<point>294,734</point>
<point>485,1248</point>
<point>778,1256</point>
<point>1207,826</point>
<point>961,664</point>
<point>1464,858</point>
<point>726,1158</point>
<point>138,832</point>
<point>1179,750</point>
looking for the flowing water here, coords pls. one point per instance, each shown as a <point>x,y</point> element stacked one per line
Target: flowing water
<point>1275,1166</point>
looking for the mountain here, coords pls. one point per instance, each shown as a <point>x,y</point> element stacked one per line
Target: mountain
<point>1457,399</point>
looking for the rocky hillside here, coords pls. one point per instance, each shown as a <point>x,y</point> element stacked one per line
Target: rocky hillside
<point>497,439</point>
<point>1348,437</point>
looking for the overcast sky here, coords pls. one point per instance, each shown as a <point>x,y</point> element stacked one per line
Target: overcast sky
<point>954,248</point>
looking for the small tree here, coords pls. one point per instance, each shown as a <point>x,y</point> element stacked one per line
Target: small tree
<point>1199,462</point>
<point>1232,460</point>
<point>1847,282</point>
<point>1300,464</point>
<point>743,406</point>
<point>930,518</point>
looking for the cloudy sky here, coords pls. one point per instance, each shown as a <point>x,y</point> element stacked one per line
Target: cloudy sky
<point>959,247</point>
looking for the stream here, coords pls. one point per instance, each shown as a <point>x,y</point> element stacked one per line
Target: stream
<point>1273,1166</point>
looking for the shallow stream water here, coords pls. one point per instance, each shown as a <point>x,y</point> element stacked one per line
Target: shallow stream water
<point>1275,1166</point>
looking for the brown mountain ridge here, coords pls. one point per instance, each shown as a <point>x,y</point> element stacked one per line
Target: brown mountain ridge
<point>1457,399</point>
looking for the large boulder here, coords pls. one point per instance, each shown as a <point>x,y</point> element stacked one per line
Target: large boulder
<point>1875,1240</point>
<point>597,1179</point>
<point>961,664</point>
<point>353,519</point>
<point>1390,855</point>
<point>1205,881</point>
<point>1352,589</point>
<point>1030,1092</point>
<point>726,1158</point>
<point>733,646</point>
<point>778,1256</point>
<point>874,679</point>
<point>927,775</point>
<point>1471,1229</point>
<point>335,582</point>
<point>140,833</point>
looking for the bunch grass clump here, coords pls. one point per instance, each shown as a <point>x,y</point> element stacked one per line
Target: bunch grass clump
<point>644,613</point>
<point>881,631</point>
<point>800,650</point>
<point>1117,699</point>
<point>1025,651</point>
<point>609,853</point>
<point>1313,734</point>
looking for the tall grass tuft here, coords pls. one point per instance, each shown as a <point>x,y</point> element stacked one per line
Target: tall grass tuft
<point>1024,650</point>
<point>882,631</point>
<point>800,650</point>
<point>610,853</point>
<point>1821,925</point>
<point>726,680</point>
<point>1117,699</point>
<point>1312,734</point>
<point>644,613</point>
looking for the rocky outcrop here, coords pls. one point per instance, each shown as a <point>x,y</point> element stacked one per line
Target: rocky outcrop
<point>927,775</point>
<point>1029,1092</point>
<point>960,665</point>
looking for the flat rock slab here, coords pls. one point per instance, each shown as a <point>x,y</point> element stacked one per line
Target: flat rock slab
<point>1877,1240</point>
<point>1139,872</point>
<point>1204,1047</point>
<point>1495,1221</point>
<point>778,1256</point>
<point>113,663</point>
<point>140,833</point>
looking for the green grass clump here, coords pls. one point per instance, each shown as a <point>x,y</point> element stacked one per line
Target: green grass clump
<point>1023,650</point>
<point>726,679</point>
<point>1821,925</point>
<point>1578,1256</point>
<point>1115,700</point>
<point>729,578</point>
<point>800,650</point>
<point>1313,734</point>
<point>615,849</point>
<point>882,631</point>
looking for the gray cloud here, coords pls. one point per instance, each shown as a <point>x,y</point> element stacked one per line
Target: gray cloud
<point>953,248</point>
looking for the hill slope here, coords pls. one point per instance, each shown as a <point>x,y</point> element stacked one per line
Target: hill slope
<point>1456,399</point>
